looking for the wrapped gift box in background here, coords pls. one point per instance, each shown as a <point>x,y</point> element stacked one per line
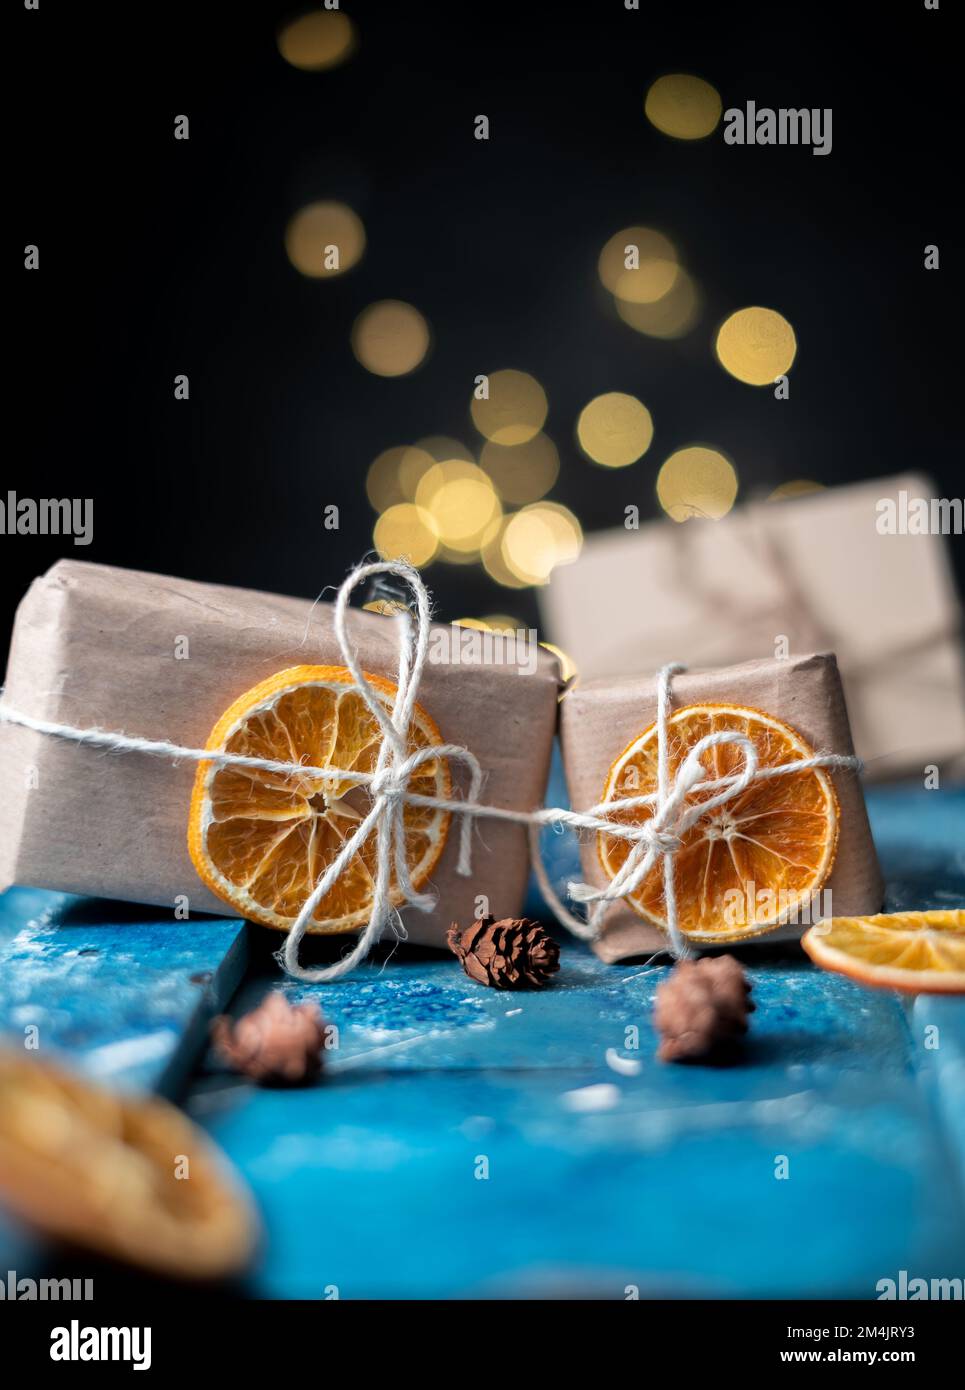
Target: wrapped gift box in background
<point>813,570</point>
<point>97,646</point>
<point>600,718</point>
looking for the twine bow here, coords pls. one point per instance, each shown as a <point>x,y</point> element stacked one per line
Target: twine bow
<point>388,785</point>
<point>674,814</point>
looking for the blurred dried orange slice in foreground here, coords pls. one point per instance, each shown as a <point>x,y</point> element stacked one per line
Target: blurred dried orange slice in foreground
<point>915,952</point>
<point>129,1178</point>
<point>748,865</point>
<point>262,840</point>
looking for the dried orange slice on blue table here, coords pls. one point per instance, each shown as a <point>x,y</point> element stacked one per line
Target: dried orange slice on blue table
<point>129,1177</point>
<point>915,952</point>
<point>748,865</point>
<point>262,840</point>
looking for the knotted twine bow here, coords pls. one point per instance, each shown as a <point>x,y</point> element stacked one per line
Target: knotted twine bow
<point>388,786</point>
<point>673,815</point>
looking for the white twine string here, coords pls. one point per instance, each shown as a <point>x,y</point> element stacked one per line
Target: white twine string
<point>388,785</point>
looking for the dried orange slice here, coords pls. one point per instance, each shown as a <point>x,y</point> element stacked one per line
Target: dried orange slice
<point>915,952</point>
<point>748,865</point>
<point>130,1178</point>
<point>262,840</point>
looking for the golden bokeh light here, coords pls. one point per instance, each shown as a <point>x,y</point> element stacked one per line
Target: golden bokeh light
<point>452,556</point>
<point>462,510</point>
<point>639,265</point>
<point>462,503</point>
<point>797,487</point>
<point>673,316</point>
<point>491,555</point>
<point>502,622</point>
<point>449,470</point>
<point>697,482</point>
<point>443,447</point>
<point>538,538</point>
<point>390,338</point>
<point>615,429</point>
<point>568,667</point>
<point>324,240</point>
<point>649,282</point>
<point>684,106</point>
<point>413,466</point>
<point>394,475</point>
<point>386,607</point>
<point>491,622</point>
<point>406,532</point>
<point>382,480</point>
<point>315,42</point>
<point>515,410</point>
<point>756,345</point>
<point>522,472</point>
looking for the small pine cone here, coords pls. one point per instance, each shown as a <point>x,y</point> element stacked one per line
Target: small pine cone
<point>702,1008</point>
<point>277,1044</point>
<point>511,954</point>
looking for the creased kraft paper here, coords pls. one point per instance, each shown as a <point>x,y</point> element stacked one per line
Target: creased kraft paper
<point>814,571</point>
<point>95,645</point>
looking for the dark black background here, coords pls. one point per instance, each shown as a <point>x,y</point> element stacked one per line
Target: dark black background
<point>161,256</point>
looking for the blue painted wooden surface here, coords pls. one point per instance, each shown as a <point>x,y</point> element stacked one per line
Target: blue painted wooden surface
<point>122,993</point>
<point>664,1178</point>
<point>118,990</point>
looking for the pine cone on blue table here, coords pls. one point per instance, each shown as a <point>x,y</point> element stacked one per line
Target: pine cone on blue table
<point>277,1044</point>
<point>511,954</point>
<point>701,1010</point>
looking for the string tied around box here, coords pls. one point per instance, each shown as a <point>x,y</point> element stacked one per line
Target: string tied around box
<point>661,835</point>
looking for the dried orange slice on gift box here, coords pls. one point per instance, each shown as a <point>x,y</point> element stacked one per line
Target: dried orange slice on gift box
<point>130,1178</point>
<point>915,952</point>
<point>262,840</point>
<point>751,863</point>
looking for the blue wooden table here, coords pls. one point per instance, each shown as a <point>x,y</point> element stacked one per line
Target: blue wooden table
<point>471,1142</point>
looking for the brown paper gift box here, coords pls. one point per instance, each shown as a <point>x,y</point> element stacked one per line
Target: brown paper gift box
<point>600,718</point>
<point>94,645</point>
<point>813,570</point>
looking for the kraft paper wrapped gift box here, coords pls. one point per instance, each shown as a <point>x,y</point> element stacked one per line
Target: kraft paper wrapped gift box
<point>96,646</point>
<point>814,570</point>
<point>598,719</point>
